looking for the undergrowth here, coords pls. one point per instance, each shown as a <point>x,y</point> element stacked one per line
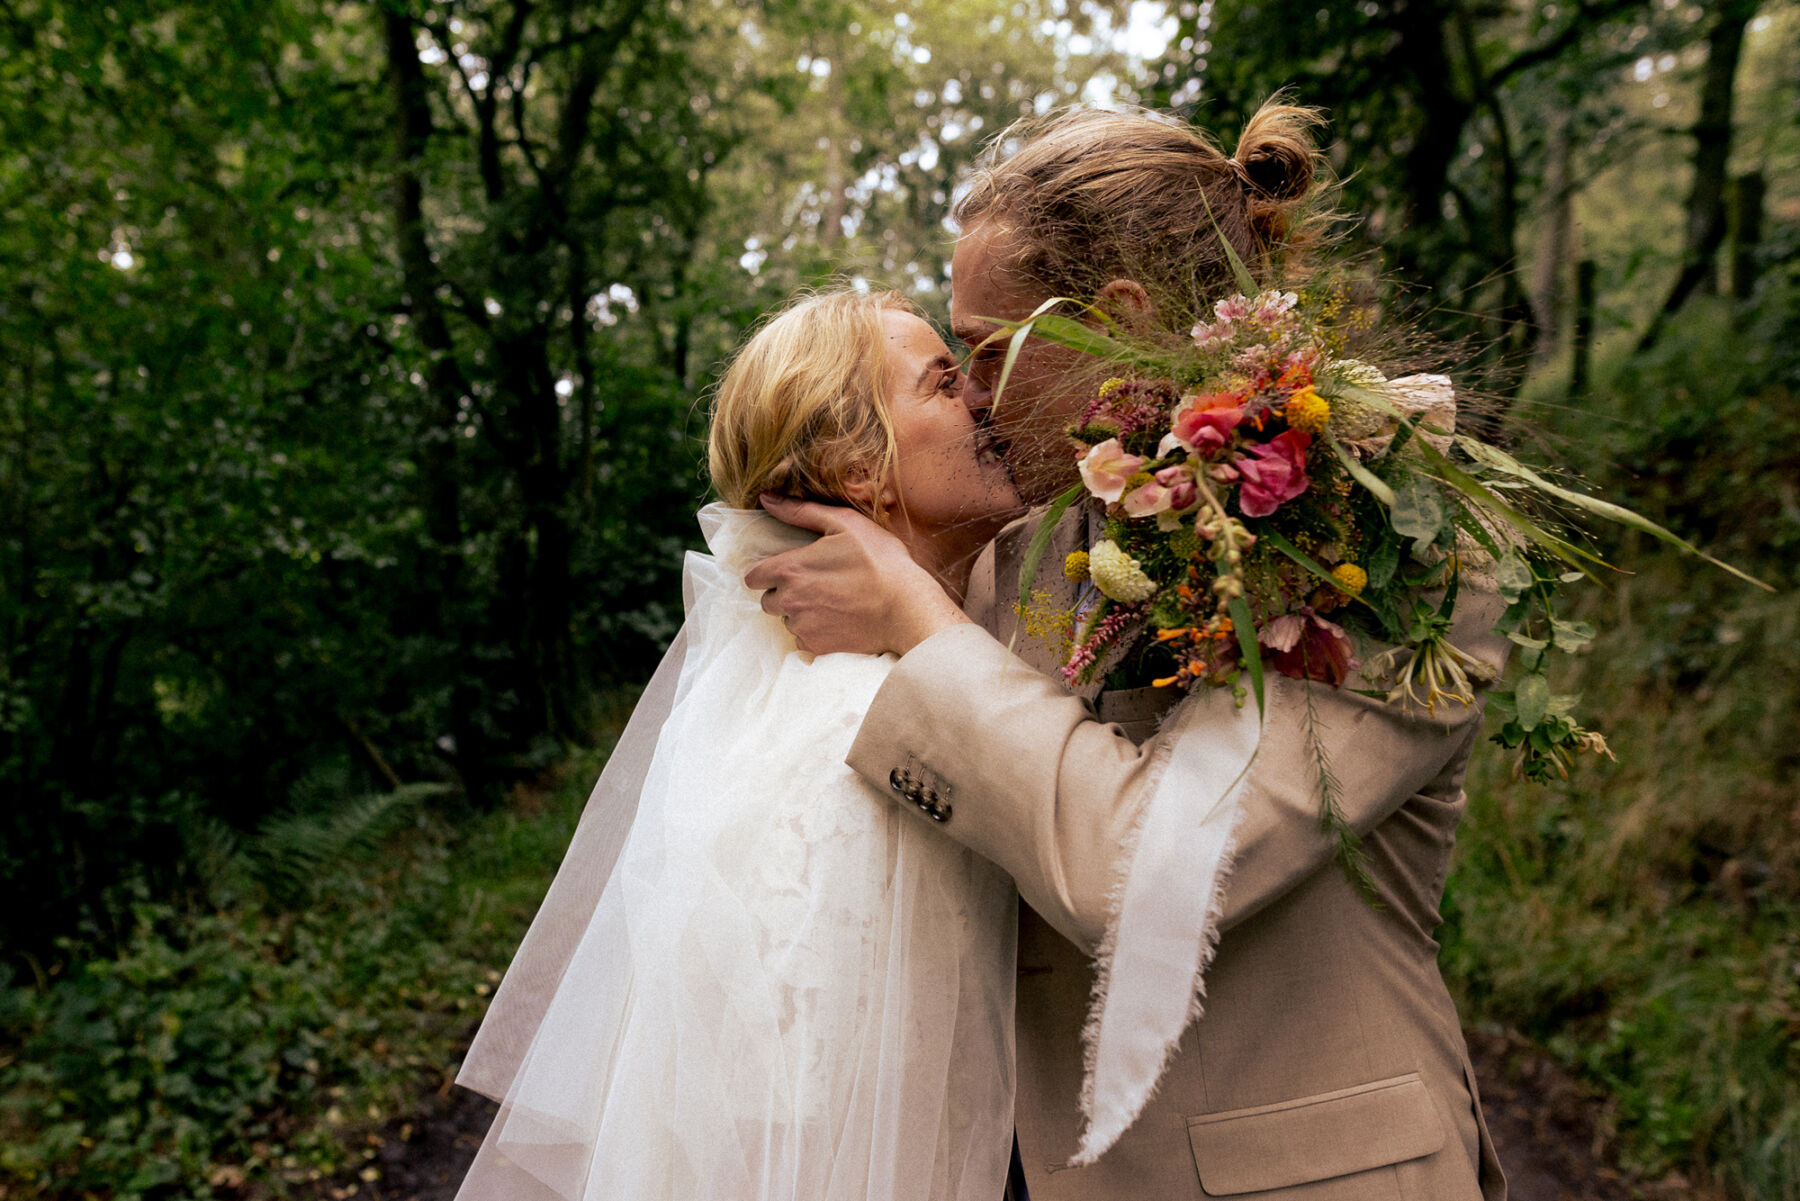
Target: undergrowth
<point>1643,919</point>
<point>239,1047</point>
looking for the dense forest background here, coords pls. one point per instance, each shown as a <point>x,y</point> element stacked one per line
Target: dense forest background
<point>352,364</point>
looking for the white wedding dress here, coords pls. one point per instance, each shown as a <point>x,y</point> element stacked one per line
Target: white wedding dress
<point>755,978</point>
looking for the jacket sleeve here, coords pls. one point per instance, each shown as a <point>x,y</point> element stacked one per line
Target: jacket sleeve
<point>1016,769</point>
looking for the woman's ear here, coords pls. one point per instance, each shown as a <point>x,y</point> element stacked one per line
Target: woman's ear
<point>867,492</point>
<point>1125,301</point>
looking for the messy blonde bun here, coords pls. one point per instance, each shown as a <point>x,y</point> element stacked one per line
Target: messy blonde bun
<point>802,405</point>
<point>1087,196</point>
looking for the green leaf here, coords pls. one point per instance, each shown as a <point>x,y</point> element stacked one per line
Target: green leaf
<point>1472,489</point>
<point>1293,552</point>
<point>1040,539</point>
<point>1418,512</point>
<point>1572,635</point>
<point>1245,627</point>
<point>1532,697</point>
<point>1514,576</point>
<point>1362,475</point>
<point>1498,460</point>
<point>1384,560</point>
<point>1017,332</point>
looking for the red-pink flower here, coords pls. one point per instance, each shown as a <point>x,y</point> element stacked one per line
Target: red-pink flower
<point>1307,647</point>
<point>1274,472</point>
<point>1179,480</point>
<point>1203,424</point>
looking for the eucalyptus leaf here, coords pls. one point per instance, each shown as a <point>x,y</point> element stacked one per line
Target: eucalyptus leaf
<point>1513,576</point>
<point>1418,512</point>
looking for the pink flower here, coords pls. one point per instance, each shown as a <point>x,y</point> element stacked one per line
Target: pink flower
<point>1173,488</point>
<point>1106,467</point>
<point>1307,647</point>
<point>1203,424</point>
<point>1211,337</point>
<point>1274,473</point>
<point>1179,480</point>
<point>1215,334</point>
<point>1272,309</point>
<point>1232,308</point>
<point>1146,499</point>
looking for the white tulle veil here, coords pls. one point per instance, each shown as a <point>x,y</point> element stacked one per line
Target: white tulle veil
<point>753,977</point>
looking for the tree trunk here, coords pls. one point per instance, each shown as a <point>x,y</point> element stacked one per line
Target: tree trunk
<point>1712,153</point>
<point>1420,51</point>
<point>1583,340</point>
<point>1549,273</point>
<point>1747,210</point>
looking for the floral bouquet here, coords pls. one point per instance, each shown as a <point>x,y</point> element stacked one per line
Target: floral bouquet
<point>1272,504</point>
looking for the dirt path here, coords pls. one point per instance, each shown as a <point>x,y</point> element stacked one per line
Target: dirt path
<point>1553,1134</point>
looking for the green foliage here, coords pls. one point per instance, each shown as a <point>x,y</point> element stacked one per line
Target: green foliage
<point>248,1043</point>
<point>1651,906</point>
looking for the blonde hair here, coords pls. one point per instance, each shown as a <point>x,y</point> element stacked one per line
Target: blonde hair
<point>1088,196</point>
<point>803,403</point>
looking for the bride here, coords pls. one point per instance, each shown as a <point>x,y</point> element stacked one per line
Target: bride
<point>755,978</point>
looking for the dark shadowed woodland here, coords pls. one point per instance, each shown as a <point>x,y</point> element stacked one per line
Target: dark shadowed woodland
<point>352,372</point>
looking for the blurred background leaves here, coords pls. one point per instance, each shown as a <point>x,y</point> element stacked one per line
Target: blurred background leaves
<point>352,359</point>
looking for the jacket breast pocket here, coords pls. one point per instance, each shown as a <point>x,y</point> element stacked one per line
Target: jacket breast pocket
<point>1315,1138</point>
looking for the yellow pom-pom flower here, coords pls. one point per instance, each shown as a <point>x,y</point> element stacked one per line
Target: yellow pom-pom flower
<point>1307,411</point>
<point>1352,578</point>
<point>1110,386</point>
<point>1075,567</point>
<point>1119,576</point>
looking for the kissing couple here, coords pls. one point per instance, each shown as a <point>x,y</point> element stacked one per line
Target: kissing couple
<point>785,959</point>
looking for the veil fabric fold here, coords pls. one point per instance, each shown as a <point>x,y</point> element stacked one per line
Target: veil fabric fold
<point>753,977</point>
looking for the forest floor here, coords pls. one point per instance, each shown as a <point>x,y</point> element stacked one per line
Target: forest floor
<point>1552,1131</point>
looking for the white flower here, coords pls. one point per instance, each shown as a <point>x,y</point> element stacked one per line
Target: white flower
<point>1119,576</point>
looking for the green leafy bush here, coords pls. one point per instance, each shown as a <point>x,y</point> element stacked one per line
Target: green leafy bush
<point>248,1042</point>
<point>1652,906</point>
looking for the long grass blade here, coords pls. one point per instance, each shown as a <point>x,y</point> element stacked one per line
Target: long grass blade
<point>1362,475</point>
<point>1498,460</point>
<point>1244,626</point>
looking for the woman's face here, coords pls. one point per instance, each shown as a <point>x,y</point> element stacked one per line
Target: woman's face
<point>948,484</point>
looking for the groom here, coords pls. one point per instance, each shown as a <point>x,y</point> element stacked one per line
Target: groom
<point>1328,1064</point>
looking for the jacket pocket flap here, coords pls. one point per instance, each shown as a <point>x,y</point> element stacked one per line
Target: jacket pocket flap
<point>1315,1138</point>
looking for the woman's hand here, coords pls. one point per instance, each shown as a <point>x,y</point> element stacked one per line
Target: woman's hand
<point>855,589</point>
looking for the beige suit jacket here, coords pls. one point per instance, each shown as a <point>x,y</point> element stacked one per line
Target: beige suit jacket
<point>1329,1064</point>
